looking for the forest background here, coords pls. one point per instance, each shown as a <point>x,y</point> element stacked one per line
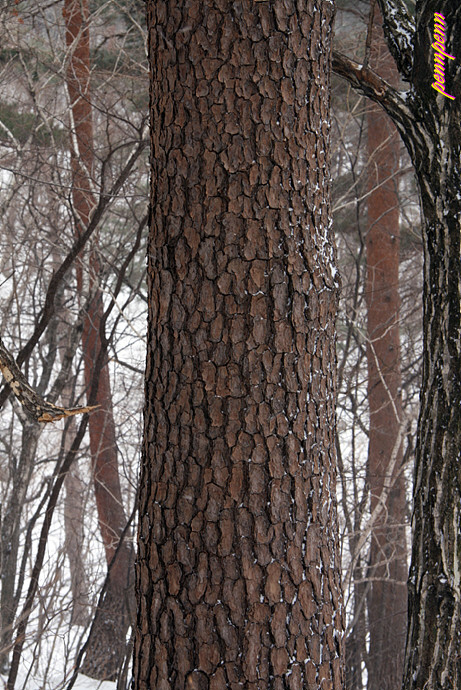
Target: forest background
<point>69,163</point>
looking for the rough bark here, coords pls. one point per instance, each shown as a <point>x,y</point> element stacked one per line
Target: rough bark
<point>434,635</point>
<point>107,650</point>
<point>387,593</point>
<point>429,124</point>
<point>238,568</point>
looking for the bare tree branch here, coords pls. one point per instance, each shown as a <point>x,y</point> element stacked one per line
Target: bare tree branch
<point>38,408</point>
<point>368,82</point>
<point>58,275</point>
<point>402,106</point>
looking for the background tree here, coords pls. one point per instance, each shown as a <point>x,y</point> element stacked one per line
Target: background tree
<point>237,573</point>
<point>372,551</point>
<point>107,647</point>
<point>429,125</point>
<point>387,597</point>
<point>39,306</point>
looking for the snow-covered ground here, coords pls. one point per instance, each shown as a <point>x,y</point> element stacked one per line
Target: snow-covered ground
<point>54,683</point>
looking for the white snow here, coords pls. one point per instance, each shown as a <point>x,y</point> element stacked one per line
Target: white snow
<point>82,683</point>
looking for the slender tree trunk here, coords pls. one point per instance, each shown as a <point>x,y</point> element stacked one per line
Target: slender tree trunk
<point>238,568</point>
<point>74,508</point>
<point>106,651</point>
<point>387,597</point>
<point>73,521</point>
<point>20,475</point>
<point>356,648</point>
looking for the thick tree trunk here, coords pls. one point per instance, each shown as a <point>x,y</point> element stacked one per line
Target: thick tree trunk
<point>387,594</point>
<point>107,648</point>
<point>429,123</point>
<point>238,568</point>
<point>434,636</point>
<point>433,658</point>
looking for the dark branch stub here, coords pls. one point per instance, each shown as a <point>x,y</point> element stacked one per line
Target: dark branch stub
<point>399,29</point>
<point>38,408</point>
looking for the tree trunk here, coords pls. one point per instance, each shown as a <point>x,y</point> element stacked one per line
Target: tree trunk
<point>106,651</point>
<point>387,597</point>
<point>356,647</point>
<point>434,636</point>
<point>433,658</point>
<point>238,566</point>
<point>74,506</point>
<point>429,123</point>
<point>20,476</point>
<point>73,522</point>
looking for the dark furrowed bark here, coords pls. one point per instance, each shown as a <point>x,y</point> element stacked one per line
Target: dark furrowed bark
<point>429,124</point>
<point>238,570</point>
